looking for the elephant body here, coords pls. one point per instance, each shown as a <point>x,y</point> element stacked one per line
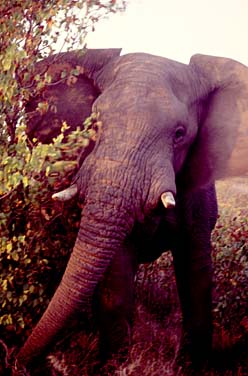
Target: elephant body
<point>186,231</point>
<point>147,184</point>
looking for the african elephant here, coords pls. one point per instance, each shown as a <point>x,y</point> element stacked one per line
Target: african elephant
<point>168,131</point>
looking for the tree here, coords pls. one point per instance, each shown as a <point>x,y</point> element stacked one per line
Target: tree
<point>35,232</point>
<point>32,30</point>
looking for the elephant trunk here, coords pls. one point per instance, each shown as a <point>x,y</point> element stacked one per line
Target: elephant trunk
<point>113,202</point>
<point>97,241</point>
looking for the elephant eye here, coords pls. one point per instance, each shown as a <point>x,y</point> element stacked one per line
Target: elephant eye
<point>179,134</point>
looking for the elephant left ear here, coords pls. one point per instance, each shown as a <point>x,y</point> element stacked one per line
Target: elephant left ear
<point>221,147</point>
<point>70,94</point>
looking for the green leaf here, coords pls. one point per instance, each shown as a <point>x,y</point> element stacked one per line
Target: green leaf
<point>64,74</point>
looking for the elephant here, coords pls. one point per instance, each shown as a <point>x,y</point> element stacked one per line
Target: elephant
<point>147,184</point>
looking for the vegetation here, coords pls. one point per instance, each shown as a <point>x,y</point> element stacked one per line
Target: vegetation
<point>37,234</point>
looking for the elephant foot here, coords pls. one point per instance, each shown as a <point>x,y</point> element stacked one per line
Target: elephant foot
<point>194,351</point>
<point>115,341</point>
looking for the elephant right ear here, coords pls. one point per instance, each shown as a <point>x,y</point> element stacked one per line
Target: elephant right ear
<point>69,97</point>
<point>221,147</point>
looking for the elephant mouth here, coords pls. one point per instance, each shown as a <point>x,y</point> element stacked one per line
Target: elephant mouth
<point>167,198</point>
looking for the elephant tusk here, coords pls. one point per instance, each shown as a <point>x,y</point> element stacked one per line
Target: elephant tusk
<point>66,194</point>
<point>168,200</point>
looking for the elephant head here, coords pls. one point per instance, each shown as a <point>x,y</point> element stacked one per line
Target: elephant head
<point>168,130</point>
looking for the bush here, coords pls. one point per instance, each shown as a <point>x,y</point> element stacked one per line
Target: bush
<point>230,256</point>
<point>37,233</point>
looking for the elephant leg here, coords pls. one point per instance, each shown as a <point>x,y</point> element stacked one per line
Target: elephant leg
<point>193,269</point>
<point>114,304</point>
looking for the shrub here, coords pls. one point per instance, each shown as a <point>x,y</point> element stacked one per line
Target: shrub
<point>230,256</point>
<point>37,233</point>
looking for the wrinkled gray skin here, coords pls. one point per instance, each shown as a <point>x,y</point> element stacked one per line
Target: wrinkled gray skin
<point>166,126</point>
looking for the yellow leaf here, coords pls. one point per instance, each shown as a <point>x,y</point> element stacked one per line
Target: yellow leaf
<point>9,247</point>
<point>25,181</point>
<point>48,168</point>
<point>15,256</point>
<point>9,93</point>
<point>6,63</point>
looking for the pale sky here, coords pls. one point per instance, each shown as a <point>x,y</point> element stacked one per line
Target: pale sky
<point>177,29</point>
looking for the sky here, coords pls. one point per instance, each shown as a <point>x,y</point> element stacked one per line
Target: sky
<point>177,29</point>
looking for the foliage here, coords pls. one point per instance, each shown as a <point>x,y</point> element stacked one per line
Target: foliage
<point>29,31</point>
<point>36,233</point>
<point>230,256</point>
<point>232,259</point>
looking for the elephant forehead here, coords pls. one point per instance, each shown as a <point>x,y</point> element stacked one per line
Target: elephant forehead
<point>145,75</point>
<point>146,64</point>
<point>128,93</point>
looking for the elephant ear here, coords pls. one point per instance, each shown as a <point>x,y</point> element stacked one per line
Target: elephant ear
<point>70,95</point>
<point>221,147</point>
